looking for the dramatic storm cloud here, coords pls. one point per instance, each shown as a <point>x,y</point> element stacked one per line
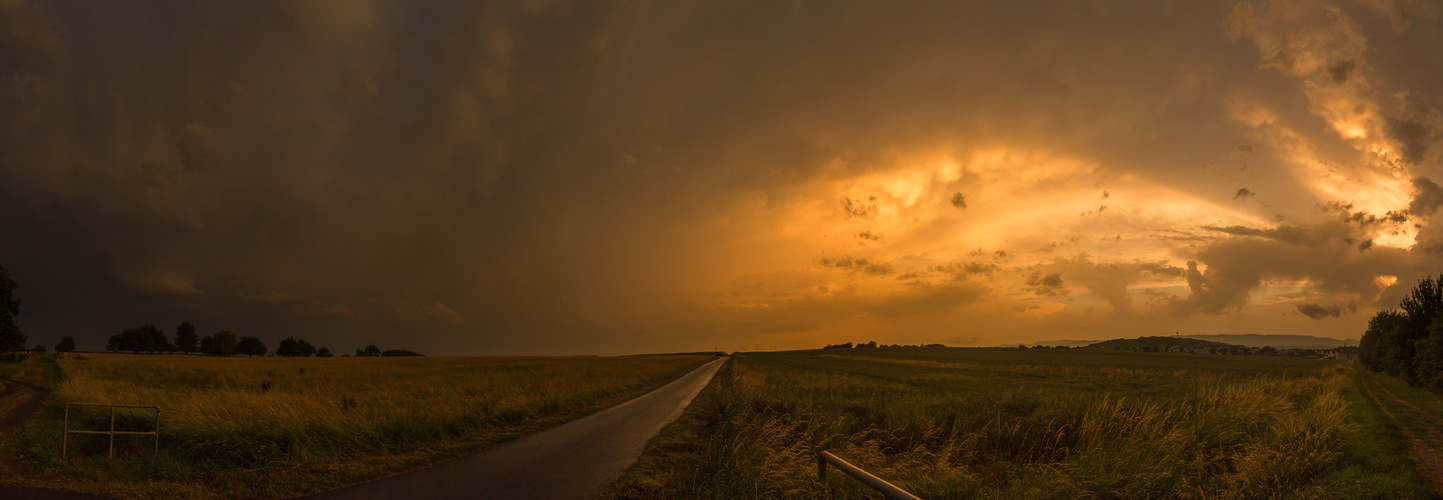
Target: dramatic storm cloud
<point>590,177</point>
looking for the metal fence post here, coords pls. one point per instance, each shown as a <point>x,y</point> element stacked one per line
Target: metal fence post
<point>112,432</point>
<point>821,469</point>
<point>65,440</point>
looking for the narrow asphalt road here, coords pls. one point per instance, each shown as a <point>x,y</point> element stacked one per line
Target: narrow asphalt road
<point>573,461</point>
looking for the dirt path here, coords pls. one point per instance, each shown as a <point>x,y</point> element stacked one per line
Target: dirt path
<point>12,420</point>
<point>1425,441</point>
<point>17,416</point>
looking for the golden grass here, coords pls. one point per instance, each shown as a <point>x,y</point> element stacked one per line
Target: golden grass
<point>308,420</point>
<point>969,430</point>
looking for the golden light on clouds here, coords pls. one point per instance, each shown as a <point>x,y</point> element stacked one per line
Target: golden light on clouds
<point>579,177</point>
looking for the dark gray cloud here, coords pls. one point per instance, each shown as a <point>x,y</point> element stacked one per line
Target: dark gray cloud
<point>1287,234</point>
<point>1325,254</point>
<point>1415,127</point>
<point>1414,137</point>
<point>1318,311</point>
<point>1427,197</point>
<point>1221,292</point>
<point>1339,71</point>
<point>1046,284</point>
<point>959,271</point>
<point>1049,279</point>
<point>959,200</point>
<point>858,208</point>
<point>1109,280</point>
<point>858,265</point>
<point>1244,193</point>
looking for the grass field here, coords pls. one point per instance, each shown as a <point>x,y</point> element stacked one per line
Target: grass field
<point>1412,417</point>
<point>1029,423</point>
<point>268,427</point>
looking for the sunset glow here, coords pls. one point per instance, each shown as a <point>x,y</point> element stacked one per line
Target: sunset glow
<point>562,178</point>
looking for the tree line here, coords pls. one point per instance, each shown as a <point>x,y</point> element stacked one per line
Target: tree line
<point>149,339</point>
<point>1408,343</point>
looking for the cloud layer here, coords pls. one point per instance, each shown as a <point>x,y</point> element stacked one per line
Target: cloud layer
<point>572,177</point>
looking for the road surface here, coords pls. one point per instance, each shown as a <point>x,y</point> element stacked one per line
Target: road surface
<point>576,460</point>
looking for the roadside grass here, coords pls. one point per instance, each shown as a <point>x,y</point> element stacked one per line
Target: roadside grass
<point>1415,417</point>
<point>1374,461</point>
<point>1015,423</point>
<point>670,465</point>
<point>271,427</point>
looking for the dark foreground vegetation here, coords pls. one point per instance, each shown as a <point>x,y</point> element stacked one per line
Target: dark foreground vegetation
<point>1029,423</point>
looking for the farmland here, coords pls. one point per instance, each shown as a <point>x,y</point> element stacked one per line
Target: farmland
<point>267,427</point>
<point>1032,423</point>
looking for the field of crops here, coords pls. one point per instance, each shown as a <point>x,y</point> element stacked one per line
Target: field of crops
<point>265,427</point>
<point>1028,423</point>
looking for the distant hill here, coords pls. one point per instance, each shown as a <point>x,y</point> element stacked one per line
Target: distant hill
<point>1064,342</point>
<point>1184,342</point>
<point>1279,341</point>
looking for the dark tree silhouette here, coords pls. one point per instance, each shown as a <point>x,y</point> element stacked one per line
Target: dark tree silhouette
<point>66,344</point>
<point>11,338</point>
<point>251,346</point>
<point>325,352</point>
<point>399,352</point>
<point>156,341</point>
<point>1409,343</point>
<point>290,347</point>
<point>147,338</point>
<point>185,338</point>
<point>1381,347</point>
<point>223,343</point>
<point>371,350</point>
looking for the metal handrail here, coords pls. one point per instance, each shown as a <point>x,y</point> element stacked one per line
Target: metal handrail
<point>65,440</point>
<point>876,483</point>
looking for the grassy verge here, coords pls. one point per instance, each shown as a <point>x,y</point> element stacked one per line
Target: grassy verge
<point>993,423</point>
<point>672,463</point>
<point>270,427</point>
<point>1373,462</point>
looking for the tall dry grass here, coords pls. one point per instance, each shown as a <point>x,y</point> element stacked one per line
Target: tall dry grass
<point>1020,432</point>
<point>252,415</point>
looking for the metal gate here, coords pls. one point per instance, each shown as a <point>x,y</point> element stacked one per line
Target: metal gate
<point>65,441</point>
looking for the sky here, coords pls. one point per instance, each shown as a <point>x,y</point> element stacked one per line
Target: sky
<point>553,177</point>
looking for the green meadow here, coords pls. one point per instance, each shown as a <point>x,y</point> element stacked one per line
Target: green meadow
<point>274,427</point>
<point>1032,423</point>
